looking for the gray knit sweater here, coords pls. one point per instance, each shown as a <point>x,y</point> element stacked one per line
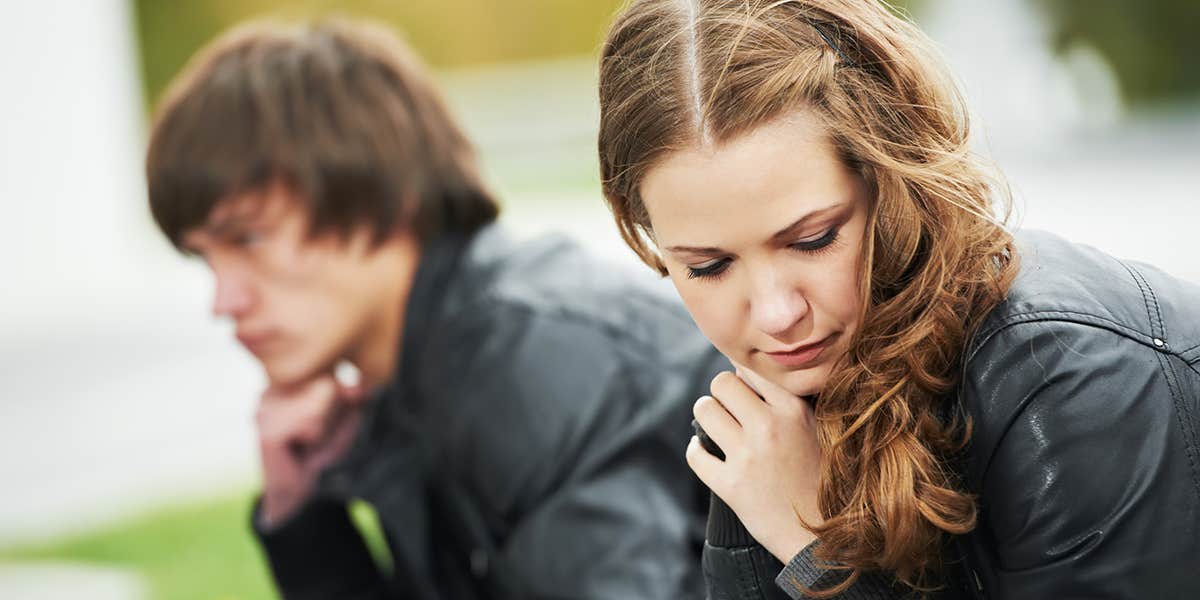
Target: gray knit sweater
<point>802,572</point>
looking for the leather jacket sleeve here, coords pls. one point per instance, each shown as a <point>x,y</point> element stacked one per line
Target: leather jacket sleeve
<point>1081,458</point>
<point>318,554</point>
<point>735,565</point>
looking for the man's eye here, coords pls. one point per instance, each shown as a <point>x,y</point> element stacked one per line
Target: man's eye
<point>247,238</point>
<point>711,270</point>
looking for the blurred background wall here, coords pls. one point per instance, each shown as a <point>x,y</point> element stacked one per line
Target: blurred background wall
<point>125,410</point>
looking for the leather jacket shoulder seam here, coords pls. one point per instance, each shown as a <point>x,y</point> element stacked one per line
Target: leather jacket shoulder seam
<point>1191,355</point>
<point>1063,316</point>
<point>1158,327</point>
<point>1182,413</point>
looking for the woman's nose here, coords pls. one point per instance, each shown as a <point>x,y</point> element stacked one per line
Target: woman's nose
<point>776,305</point>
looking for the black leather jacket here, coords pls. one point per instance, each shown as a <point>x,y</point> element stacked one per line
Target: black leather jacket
<point>531,445</point>
<point>1084,391</point>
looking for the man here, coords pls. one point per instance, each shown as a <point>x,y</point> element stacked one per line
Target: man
<point>521,413</point>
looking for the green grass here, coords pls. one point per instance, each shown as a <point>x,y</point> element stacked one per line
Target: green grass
<point>195,552</point>
<point>201,551</point>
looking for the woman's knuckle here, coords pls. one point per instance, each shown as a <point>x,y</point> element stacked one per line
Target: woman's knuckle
<point>721,382</point>
<point>706,405</point>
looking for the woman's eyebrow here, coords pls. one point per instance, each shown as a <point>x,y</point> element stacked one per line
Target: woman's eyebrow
<point>789,232</point>
<point>706,250</point>
<point>784,234</point>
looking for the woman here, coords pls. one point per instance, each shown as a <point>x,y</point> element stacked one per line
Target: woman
<point>924,402</point>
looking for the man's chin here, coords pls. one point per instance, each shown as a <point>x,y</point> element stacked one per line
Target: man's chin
<point>281,374</point>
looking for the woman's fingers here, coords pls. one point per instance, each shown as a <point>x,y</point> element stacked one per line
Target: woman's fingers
<point>721,426</point>
<point>770,392</point>
<point>738,398</point>
<point>704,465</point>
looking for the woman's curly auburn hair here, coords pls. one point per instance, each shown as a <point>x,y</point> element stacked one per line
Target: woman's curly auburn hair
<point>678,73</point>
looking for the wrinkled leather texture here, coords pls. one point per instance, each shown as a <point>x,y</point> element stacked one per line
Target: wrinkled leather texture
<point>1084,394</point>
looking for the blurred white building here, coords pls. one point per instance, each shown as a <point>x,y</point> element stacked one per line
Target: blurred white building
<point>114,388</point>
<point>1079,162</point>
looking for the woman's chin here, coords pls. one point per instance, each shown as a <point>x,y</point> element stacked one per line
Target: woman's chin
<point>801,382</point>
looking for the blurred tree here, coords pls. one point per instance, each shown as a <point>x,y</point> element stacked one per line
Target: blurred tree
<point>446,34</point>
<point>1152,45</point>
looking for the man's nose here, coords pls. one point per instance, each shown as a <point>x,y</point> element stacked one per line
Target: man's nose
<point>233,296</point>
<point>776,305</point>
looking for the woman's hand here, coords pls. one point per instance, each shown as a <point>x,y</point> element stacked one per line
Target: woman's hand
<point>772,459</point>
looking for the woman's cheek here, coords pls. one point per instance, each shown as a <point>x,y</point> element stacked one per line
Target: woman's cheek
<point>715,314</point>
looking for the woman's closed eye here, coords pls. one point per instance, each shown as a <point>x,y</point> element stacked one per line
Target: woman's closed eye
<point>709,270</point>
<point>713,269</point>
<point>817,245</point>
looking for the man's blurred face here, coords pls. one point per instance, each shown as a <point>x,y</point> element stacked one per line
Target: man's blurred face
<point>301,303</point>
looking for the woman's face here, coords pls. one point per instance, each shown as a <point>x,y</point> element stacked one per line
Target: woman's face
<point>762,236</point>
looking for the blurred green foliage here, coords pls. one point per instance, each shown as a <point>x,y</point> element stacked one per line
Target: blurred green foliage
<point>202,551</point>
<point>199,551</point>
<point>446,34</point>
<point>1152,45</point>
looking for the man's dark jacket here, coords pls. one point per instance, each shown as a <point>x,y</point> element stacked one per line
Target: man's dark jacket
<point>1083,388</point>
<point>530,444</point>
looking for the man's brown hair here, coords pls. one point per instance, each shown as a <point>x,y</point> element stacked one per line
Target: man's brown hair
<point>341,111</point>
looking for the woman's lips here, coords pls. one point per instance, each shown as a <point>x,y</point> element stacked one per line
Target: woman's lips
<point>801,356</point>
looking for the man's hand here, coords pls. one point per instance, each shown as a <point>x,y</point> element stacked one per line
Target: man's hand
<point>770,473</point>
<point>302,430</point>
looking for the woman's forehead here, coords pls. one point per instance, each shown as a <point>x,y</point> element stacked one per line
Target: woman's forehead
<point>765,180</point>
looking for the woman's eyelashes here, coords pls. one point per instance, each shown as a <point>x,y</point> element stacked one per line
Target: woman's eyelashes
<point>817,245</point>
<point>713,270</point>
